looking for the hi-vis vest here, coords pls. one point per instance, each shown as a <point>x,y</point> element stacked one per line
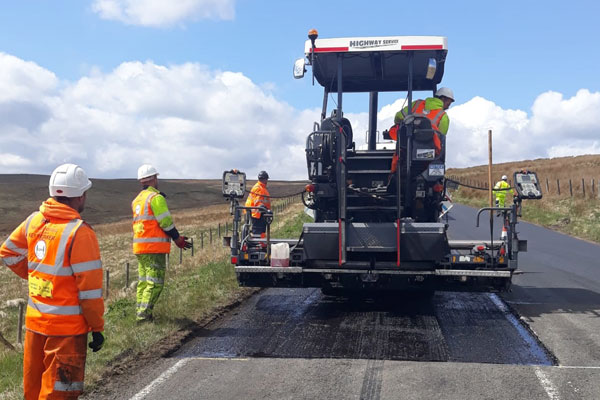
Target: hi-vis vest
<point>54,298</point>
<point>259,195</point>
<point>148,237</point>
<point>435,116</point>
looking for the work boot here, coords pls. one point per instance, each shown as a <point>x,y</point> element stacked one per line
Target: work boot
<point>140,321</point>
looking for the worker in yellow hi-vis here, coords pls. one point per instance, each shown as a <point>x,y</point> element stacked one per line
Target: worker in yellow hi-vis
<point>153,229</point>
<point>501,189</point>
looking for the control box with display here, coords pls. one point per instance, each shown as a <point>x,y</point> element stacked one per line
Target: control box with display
<point>234,183</point>
<point>527,185</point>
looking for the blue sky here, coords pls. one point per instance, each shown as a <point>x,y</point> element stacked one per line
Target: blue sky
<point>508,53</point>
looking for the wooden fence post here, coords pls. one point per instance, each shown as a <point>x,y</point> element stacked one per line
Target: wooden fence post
<point>192,240</point>
<point>20,324</point>
<point>107,284</point>
<point>547,186</point>
<point>570,187</point>
<point>558,186</point>
<point>219,230</point>
<point>180,255</point>
<point>126,274</point>
<point>209,235</point>
<point>201,240</point>
<point>583,186</point>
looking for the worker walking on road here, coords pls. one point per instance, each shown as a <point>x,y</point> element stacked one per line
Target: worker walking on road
<point>501,189</point>
<point>259,196</point>
<point>58,253</point>
<point>153,229</point>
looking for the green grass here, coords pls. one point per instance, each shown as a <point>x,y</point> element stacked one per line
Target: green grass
<point>573,216</point>
<point>193,289</point>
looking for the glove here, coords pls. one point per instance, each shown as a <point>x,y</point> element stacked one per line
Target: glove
<point>183,243</point>
<point>97,341</point>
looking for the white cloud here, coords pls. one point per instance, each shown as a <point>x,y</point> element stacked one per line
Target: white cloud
<point>194,122</point>
<point>186,119</point>
<point>161,13</point>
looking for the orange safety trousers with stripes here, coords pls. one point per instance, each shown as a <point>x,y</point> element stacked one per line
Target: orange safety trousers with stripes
<point>59,256</point>
<point>53,366</point>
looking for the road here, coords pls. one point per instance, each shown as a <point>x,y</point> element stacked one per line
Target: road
<point>539,341</point>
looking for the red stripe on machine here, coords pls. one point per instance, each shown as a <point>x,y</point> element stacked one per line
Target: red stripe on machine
<point>423,47</point>
<point>340,242</point>
<point>329,49</point>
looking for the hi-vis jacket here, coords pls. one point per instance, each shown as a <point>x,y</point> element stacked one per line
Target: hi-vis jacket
<point>58,254</point>
<point>151,218</point>
<point>257,198</point>
<point>501,194</point>
<point>432,108</point>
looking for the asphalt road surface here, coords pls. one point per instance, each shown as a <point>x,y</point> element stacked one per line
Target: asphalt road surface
<point>539,341</point>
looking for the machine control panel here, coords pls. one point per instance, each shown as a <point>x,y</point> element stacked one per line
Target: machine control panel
<point>527,185</point>
<point>234,183</point>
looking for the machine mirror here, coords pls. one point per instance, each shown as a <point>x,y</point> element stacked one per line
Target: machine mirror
<point>299,68</point>
<point>431,67</point>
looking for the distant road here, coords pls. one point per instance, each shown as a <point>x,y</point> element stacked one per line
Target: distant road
<point>299,344</point>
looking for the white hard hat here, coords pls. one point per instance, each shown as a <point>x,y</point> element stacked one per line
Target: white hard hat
<point>504,177</point>
<point>446,92</point>
<point>68,180</point>
<point>146,171</point>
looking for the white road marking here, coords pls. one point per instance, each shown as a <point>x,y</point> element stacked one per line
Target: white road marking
<point>161,378</point>
<point>545,381</point>
<point>547,384</point>
<point>169,372</point>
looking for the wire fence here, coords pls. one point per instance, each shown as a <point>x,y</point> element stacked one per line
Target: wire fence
<point>553,187</point>
<point>120,277</point>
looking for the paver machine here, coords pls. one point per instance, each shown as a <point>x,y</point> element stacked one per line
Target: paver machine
<point>374,229</point>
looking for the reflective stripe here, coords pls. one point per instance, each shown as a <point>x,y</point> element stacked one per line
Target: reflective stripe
<point>147,306</point>
<point>71,227</point>
<point>29,220</point>
<point>163,216</point>
<point>168,228</point>
<point>58,310</point>
<point>13,247</point>
<point>150,240</point>
<point>143,218</point>
<point>147,206</point>
<point>154,280</point>
<point>49,269</point>
<point>86,266</point>
<point>90,294</point>
<point>10,261</point>
<point>438,117</point>
<point>68,387</point>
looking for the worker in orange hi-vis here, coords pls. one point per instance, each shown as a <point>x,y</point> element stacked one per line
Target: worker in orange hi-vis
<point>259,196</point>
<point>58,253</point>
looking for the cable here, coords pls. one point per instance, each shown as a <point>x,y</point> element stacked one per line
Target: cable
<point>477,187</point>
<point>275,197</point>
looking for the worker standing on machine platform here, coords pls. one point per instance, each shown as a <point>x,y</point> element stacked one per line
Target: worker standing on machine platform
<point>58,253</point>
<point>501,189</point>
<point>433,108</point>
<point>259,196</point>
<point>153,229</point>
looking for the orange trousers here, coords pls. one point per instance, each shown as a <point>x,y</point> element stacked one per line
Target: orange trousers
<point>53,366</point>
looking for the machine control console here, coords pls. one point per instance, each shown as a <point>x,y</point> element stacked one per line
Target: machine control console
<point>527,185</point>
<point>234,183</point>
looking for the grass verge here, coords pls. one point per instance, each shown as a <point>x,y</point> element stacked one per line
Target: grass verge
<point>193,290</point>
<point>573,216</point>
